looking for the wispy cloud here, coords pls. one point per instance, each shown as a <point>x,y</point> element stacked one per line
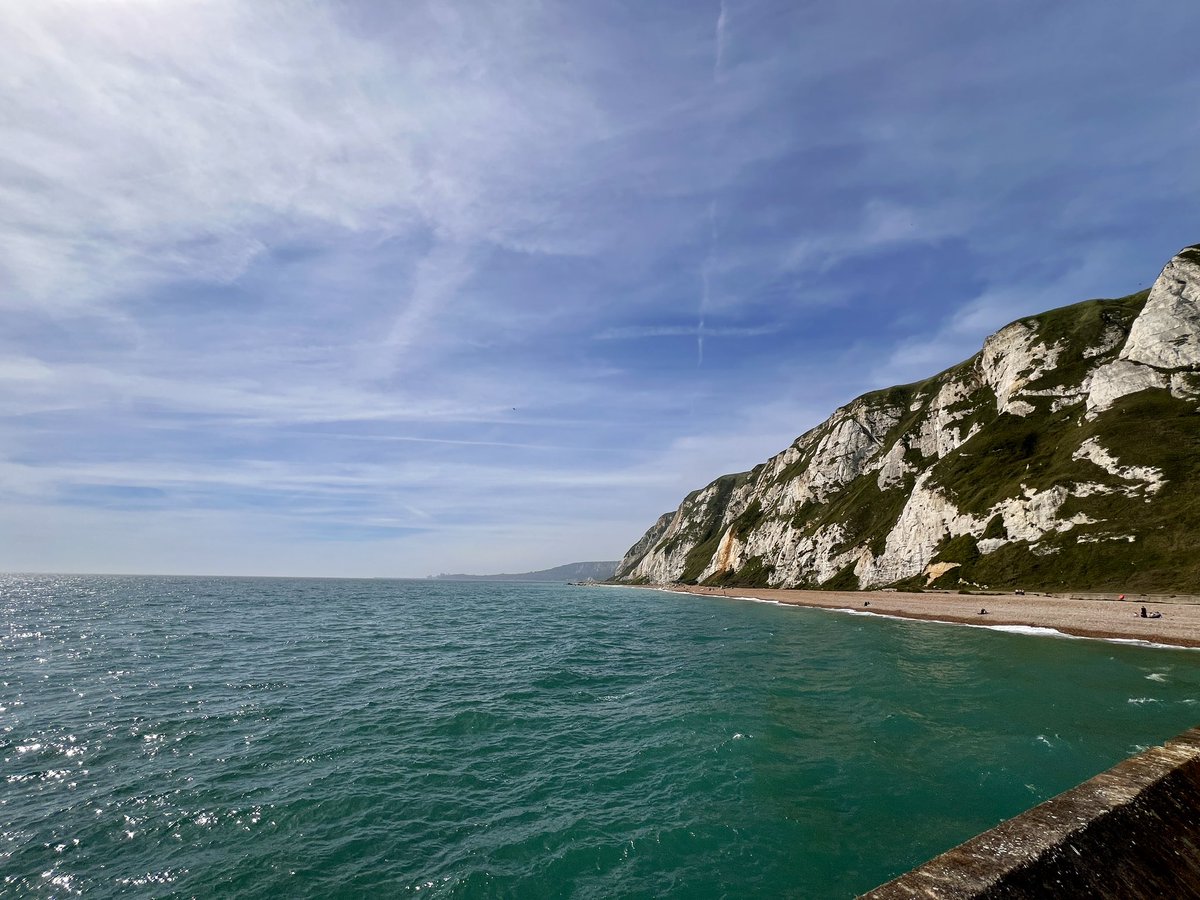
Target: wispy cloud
<point>719,40</point>
<point>182,142</point>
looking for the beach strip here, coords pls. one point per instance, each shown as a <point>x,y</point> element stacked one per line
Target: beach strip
<point>1178,624</point>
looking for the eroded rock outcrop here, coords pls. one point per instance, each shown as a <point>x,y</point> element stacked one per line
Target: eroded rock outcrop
<point>1167,333</point>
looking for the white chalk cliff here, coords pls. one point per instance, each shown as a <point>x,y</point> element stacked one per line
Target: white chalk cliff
<point>1070,434</point>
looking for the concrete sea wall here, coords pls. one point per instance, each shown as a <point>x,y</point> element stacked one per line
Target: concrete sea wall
<point>1131,832</point>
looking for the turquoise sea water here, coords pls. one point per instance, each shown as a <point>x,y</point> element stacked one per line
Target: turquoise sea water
<point>223,737</point>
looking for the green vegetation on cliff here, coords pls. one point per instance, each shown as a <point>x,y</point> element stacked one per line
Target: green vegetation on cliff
<point>1029,481</point>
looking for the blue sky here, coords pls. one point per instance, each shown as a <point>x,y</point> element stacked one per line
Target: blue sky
<point>398,288</point>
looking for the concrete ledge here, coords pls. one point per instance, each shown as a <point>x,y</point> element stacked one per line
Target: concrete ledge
<point>1130,832</point>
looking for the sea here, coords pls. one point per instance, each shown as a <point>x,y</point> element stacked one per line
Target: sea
<point>263,737</point>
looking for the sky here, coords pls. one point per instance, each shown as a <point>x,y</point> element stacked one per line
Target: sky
<point>400,288</point>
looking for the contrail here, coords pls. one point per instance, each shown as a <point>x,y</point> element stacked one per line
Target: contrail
<point>705,270</point>
<point>706,280</point>
<point>719,61</point>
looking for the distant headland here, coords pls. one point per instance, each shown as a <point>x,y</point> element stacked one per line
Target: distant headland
<point>576,571</point>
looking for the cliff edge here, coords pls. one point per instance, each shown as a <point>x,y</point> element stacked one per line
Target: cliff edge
<point>1065,453</point>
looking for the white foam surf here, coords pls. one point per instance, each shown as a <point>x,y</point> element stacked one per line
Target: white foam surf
<point>1029,630</point>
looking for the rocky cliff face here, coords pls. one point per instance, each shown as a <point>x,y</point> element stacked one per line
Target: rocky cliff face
<point>1065,453</point>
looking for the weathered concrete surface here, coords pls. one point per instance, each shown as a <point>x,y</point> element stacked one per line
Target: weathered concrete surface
<point>1131,832</point>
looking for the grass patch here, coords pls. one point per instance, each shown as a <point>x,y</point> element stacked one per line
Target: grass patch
<point>745,523</point>
<point>994,463</point>
<point>844,580</point>
<point>755,573</point>
<point>995,528</point>
<point>961,549</point>
<point>1081,327</point>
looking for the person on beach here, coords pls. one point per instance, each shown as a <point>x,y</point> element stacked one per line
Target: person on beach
<point>983,612</point>
<point>1143,612</point>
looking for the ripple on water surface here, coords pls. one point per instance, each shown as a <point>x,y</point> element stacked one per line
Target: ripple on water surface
<point>311,738</point>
